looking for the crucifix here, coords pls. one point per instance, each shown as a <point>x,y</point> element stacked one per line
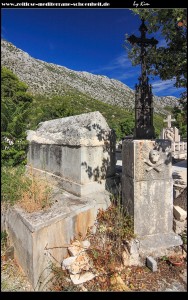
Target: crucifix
<point>169,120</point>
<point>144,128</point>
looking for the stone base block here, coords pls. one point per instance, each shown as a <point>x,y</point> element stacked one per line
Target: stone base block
<point>158,244</point>
<point>71,186</point>
<point>155,245</point>
<point>41,238</point>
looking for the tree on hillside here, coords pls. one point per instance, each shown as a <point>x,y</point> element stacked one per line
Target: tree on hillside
<point>15,111</point>
<point>168,61</point>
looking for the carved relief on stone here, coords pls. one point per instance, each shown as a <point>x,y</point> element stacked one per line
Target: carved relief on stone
<point>154,161</point>
<point>169,134</point>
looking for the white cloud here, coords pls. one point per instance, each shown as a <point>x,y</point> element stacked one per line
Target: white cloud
<point>120,68</point>
<point>165,87</point>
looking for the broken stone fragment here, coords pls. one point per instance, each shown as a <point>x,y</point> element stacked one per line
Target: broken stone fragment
<point>67,262</point>
<point>76,248</point>
<point>179,213</point>
<point>85,244</point>
<point>179,226</point>
<point>81,278</point>
<point>77,264</point>
<point>151,263</point>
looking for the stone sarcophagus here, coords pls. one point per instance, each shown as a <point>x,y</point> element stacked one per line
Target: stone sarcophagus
<point>77,151</point>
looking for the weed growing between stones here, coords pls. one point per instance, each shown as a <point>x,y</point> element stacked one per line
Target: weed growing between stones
<point>31,193</point>
<point>113,228</point>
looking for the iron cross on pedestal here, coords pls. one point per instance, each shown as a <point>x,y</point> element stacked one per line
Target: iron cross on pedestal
<point>143,96</point>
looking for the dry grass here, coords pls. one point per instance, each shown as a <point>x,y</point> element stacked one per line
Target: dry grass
<point>37,194</point>
<point>37,197</point>
<point>30,192</point>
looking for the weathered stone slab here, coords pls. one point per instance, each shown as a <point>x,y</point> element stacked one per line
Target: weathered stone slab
<point>80,150</point>
<point>147,193</point>
<point>158,244</point>
<point>138,164</point>
<point>43,237</point>
<point>152,208</point>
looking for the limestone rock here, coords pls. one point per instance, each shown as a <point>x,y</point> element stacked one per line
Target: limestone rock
<point>85,244</point>
<point>47,79</point>
<point>77,264</point>
<point>130,255</point>
<point>179,213</point>
<point>179,226</point>
<point>81,278</point>
<point>67,262</point>
<point>76,248</point>
<point>151,263</point>
<point>85,129</point>
<point>131,259</point>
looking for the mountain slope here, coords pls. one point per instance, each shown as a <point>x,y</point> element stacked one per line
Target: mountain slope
<point>50,79</point>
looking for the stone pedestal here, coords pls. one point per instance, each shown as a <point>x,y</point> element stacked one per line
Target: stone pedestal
<point>147,193</point>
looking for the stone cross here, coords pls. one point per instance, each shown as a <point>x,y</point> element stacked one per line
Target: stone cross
<point>169,120</point>
<point>144,128</point>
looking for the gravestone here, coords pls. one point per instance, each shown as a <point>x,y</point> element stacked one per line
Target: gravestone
<point>78,155</point>
<point>147,184</point>
<point>77,151</point>
<point>147,194</point>
<point>170,133</point>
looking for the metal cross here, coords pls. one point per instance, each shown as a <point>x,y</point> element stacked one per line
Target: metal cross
<point>169,120</point>
<point>144,128</point>
<point>143,42</point>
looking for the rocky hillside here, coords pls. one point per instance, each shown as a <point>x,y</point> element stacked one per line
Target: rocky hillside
<point>49,79</point>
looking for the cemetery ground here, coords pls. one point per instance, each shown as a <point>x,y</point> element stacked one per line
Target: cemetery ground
<point>107,263</point>
<point>105,253</point>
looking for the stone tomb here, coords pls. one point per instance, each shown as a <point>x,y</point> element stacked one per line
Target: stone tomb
<point>147,194</point>
<point>78,151</point>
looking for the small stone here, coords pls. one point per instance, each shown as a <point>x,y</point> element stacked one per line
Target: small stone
<point>179,226</point>
<point>85,244</point>
<point>81,278</point>
<point>67,262</point>
<point>76,264</point>
<point>76,248</point>
<point>82,263</point>
<point>151,263</point>
<point>179,213</point>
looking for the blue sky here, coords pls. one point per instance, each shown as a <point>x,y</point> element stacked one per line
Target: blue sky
<point>81,39</point>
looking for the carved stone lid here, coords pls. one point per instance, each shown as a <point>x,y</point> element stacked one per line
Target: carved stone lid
<point>85,129</point>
